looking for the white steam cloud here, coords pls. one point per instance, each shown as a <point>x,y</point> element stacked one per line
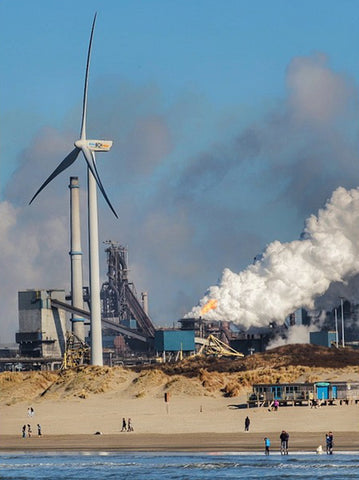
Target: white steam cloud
<point>296,334</point>
<point>34,259</point>
<point>292,275</point>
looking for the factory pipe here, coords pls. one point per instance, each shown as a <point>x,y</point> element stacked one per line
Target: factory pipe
<point>342,309</point>
<point>144,296</point>
<point>78,328</point>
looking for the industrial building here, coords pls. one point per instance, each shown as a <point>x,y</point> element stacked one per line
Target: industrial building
<point>42,329</point>
<point>128,331</point>
<point>129,335</point>
<point>174,342</point>
<point>323,338</point>
<point>250,343</point>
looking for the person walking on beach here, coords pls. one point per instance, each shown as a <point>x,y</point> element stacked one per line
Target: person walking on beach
<point>32,412</point>
<point>124,426</point>
<point>129,425</point>
<point>284,439</point>
<point>24,431</point>
<point>329,440</point>
<point>247,422</point>
<point>29,431</point>
<point>29,412</point>
<point>39,430</point>
<point>266,445</point>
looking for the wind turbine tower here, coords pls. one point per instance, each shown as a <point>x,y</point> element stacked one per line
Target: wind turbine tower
<point>88,148</point>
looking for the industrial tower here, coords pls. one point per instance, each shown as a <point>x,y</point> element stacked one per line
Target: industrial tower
<point>118,296</point>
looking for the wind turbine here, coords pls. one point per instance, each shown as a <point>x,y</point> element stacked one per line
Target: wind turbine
<point>88,148</point>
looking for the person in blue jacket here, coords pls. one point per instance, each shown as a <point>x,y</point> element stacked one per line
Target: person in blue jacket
<point>329,442</point>
<point>266,445</point>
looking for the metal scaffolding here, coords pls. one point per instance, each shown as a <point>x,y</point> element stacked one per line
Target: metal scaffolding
<point>118,295</point>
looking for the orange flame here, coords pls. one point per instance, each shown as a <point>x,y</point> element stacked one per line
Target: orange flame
<point>210,305</point>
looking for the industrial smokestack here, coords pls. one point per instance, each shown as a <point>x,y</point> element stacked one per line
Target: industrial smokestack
<point>144,298</point>
<point>78,328</point>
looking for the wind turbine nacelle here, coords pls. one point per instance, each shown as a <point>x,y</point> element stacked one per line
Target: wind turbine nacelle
<point>99,145</point>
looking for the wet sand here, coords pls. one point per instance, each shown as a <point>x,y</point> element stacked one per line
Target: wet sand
<point>194,442</point>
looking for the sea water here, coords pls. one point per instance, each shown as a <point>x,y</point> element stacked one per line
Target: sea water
<point>182,466</point>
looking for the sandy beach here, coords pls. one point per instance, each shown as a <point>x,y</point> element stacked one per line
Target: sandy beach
<point>185,423</point>
<point>206,410</point>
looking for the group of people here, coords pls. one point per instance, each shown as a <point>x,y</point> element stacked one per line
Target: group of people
<point>284,439</point>
<point>127,427</point>
<point>27,430</point>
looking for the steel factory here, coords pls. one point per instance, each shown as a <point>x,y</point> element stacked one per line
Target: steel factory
<point>55,330</point>
<point>129,337</point>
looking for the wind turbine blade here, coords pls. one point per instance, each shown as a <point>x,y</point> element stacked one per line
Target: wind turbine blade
<point>69,160</point>
<point>84,102</point>
<point>90,160</point>
<point>102,187</point>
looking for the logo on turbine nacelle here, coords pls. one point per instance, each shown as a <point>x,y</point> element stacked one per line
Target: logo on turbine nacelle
<point>99,145</point>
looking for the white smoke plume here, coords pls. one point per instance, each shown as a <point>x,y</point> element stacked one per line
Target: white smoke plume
<point>292,275</point>
<point>295,334</point>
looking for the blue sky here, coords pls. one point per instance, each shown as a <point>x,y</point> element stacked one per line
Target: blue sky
<point>232,52</point>
<point>217,110</point>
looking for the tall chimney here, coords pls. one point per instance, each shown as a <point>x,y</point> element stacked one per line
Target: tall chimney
<point>144,297</point>
<point>78,327</point>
